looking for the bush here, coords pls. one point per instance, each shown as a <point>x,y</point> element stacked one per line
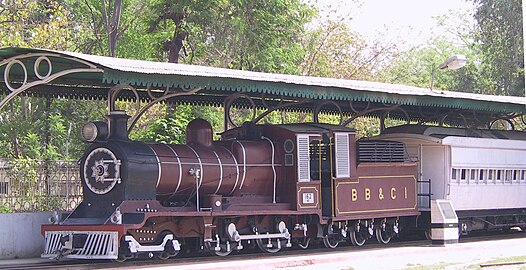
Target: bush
<point>4,209</point>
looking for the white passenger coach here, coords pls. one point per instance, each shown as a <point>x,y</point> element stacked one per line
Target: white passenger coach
<point>482,172</point>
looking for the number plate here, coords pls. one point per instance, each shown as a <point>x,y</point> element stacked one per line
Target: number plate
<point>308,198</point>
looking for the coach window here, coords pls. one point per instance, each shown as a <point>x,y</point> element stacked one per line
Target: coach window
<point>482,176</point>
<point>491,175</point>
<point>499,174</point>
<point>454,173</point>
<point>507,176</point>
<point>463,175</point>
<point>515,176</point>
<point>473,176</point>
<point>523,172</point>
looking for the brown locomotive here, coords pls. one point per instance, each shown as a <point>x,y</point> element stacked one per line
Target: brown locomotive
<point>270,186</point>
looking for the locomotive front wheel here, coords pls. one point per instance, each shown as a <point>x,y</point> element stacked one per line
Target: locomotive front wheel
<point>330,242</point>
<point>357,238</point>
<point>382,236</point>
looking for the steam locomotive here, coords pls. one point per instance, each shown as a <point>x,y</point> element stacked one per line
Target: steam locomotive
<point>260,186</point>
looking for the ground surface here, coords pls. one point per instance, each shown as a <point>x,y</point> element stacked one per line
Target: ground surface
<point>470,255</point>
<point>474,253</point>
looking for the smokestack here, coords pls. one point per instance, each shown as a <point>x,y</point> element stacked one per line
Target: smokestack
<point>118,125</point>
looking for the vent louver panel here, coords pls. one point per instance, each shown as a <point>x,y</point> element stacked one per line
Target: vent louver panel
<point>381,151</point>
<point>303,158</point>
<point>342,155</point>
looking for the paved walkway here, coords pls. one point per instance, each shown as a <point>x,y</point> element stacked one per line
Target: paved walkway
<point>451,257</point>
<point>456,256</point>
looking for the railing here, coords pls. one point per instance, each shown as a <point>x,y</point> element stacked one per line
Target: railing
<point>30,185</point>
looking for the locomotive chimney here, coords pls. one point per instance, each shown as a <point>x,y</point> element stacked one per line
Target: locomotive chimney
<point>199,131</point>
<point>118,125</point>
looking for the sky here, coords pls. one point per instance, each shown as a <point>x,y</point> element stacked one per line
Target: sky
<point>410,21</point>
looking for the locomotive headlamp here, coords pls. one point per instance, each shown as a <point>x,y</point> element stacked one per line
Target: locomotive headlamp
<point>95,131</point>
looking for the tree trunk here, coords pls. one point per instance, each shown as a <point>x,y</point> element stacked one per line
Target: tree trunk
<point>112,26</point>
<point>174,52</point>
<point>175,47</point>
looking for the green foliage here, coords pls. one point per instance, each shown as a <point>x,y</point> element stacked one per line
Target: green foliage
<point>23,176</point>
<point>493,49</point>
<point>44,203</point>
<point>172,129</point>
<point>163,130</point>
<point>28,188</point>
<point>94,18</point>
<point>269,36</point>
<point>33,128</point>
<point>247,35</point>
<point>500,40</point>
<point>34,23</point>
<point>419,67</point>
<point>334,51</point>
<point>366,127</point>
<point>4,209</point>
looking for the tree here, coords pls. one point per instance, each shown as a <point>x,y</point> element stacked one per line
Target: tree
<point>334,51</point>
<point>103,23</point>
<point>34,23</point>
<point>112,9</point>
<point>418,66</point>
<point>246,35</point>
<point>499,36</point>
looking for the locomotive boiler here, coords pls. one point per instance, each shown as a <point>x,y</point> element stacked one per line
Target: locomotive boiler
<point>264,186</point>
<point>174,174</point>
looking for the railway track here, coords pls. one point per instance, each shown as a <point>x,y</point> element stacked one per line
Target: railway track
<point>249,255</point>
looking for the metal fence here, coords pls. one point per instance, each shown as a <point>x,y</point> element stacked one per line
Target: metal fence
<point>31,185</point>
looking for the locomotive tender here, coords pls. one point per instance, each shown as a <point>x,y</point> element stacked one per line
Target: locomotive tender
<point>265,186</point>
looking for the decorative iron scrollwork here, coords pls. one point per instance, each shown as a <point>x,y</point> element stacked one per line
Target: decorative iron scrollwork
<point>38,78</point>
<point>229,102</point>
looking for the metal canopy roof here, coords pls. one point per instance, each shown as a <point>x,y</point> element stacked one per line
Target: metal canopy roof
<point>75,75</point>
